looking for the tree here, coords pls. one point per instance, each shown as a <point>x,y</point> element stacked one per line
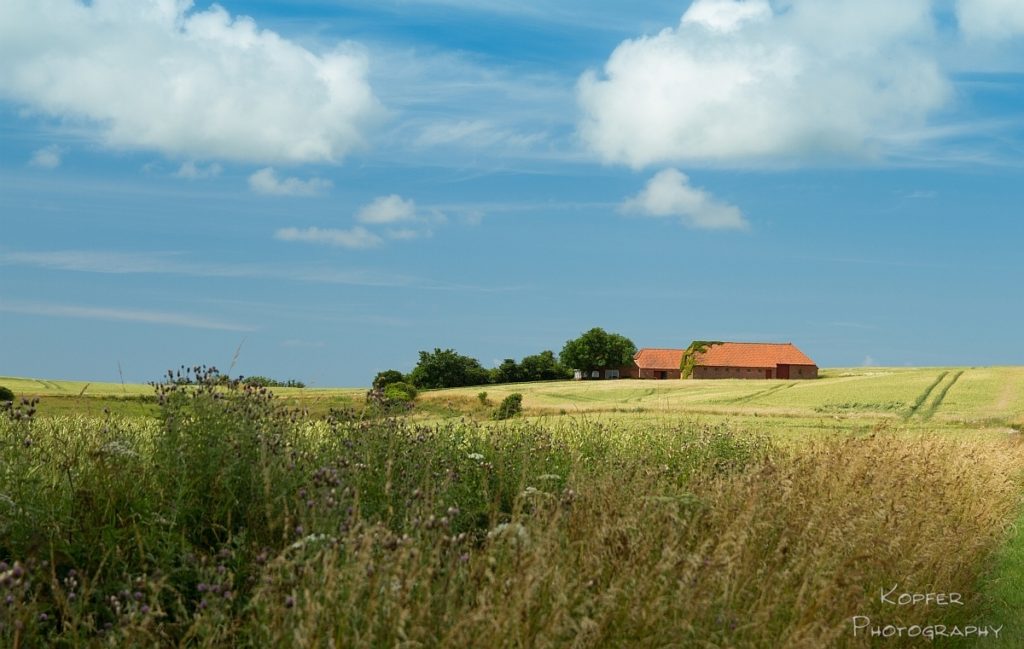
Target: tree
<point>542,367</point>
<point>447,369</point>
<point>386,378</point>
<point>507,372</point>
<point>597,349</point>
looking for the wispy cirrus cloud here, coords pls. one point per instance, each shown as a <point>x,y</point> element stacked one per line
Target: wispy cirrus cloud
<point>110,314</point>
<point>174,263</point>
<point>357,237</point>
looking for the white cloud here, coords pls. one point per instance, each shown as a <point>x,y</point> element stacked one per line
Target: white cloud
<point>670,194</point>
<point>48,157</point>
<point>994,19</point>
<point>265,181</point>
<point>737,82</point>
<point>726,15</point>
<point>192,171</point>
<point>122,315</point>
<point>387,209</point>
<point>869,361</point>
<point>357,237</point>
<point>160,75</point>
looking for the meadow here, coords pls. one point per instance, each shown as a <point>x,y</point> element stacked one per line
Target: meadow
<point>623,513</point>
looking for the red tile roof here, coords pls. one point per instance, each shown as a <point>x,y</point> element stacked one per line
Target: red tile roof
<point>659,359</point>
<point>752,355</point>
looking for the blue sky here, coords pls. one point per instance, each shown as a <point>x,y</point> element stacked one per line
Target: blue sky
<point>335,185</point>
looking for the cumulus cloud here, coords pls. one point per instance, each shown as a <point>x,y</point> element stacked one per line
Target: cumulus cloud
<point>160,75</point>
<point>737,81</point>
<point>387,209</point>
<point>357,237</point>
<point>192,171</point>
<point>266,181</point>
<point>994,19</point>
<point>48,157</point>
<point>726,15</point>
<point>670,194</point>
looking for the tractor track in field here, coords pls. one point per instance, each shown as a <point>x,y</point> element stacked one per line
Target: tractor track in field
<point>921,398</point>
<point>941,395</point>
<point>760,393</point>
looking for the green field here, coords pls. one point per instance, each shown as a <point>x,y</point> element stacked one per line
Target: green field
<point>721,513</point>
<point>989,399</point>
<point>979,400</point>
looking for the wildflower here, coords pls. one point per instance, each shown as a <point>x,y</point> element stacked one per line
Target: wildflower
<point>475,456</point>
<point>514,533</point>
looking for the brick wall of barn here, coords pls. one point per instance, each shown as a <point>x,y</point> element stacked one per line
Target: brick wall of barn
<point>795,372</point>
<point>647,373</point>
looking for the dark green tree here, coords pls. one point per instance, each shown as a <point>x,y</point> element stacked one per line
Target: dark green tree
<point>386,378</point>
<point>596,349</point>
<point>542,367</point>
<point>446,368</point>
<point>507,372</point>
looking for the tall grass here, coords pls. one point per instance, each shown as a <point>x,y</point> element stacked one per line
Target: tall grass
<point>234,521</point>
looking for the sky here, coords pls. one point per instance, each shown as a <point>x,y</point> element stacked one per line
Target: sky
<point>319,189</point>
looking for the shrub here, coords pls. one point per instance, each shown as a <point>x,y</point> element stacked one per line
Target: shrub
<point>482,397</point>
<point>6,394</point>
<point>510,406</point>
<point>386,378</point>
<point>400,392</point>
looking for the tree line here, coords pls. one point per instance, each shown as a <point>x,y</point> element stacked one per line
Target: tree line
<point>446,368</point>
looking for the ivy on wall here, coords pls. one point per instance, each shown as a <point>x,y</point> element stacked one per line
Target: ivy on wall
<point>689,360</point>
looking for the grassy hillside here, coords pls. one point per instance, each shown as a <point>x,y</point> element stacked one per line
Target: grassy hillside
<point>233,520</point>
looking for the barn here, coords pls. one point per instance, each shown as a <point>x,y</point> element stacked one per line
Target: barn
<point>753,361</point>
<point>654,363</point>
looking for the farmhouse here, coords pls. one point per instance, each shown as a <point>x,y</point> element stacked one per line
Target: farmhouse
<point>753,361</point>
<point>652,363</point>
